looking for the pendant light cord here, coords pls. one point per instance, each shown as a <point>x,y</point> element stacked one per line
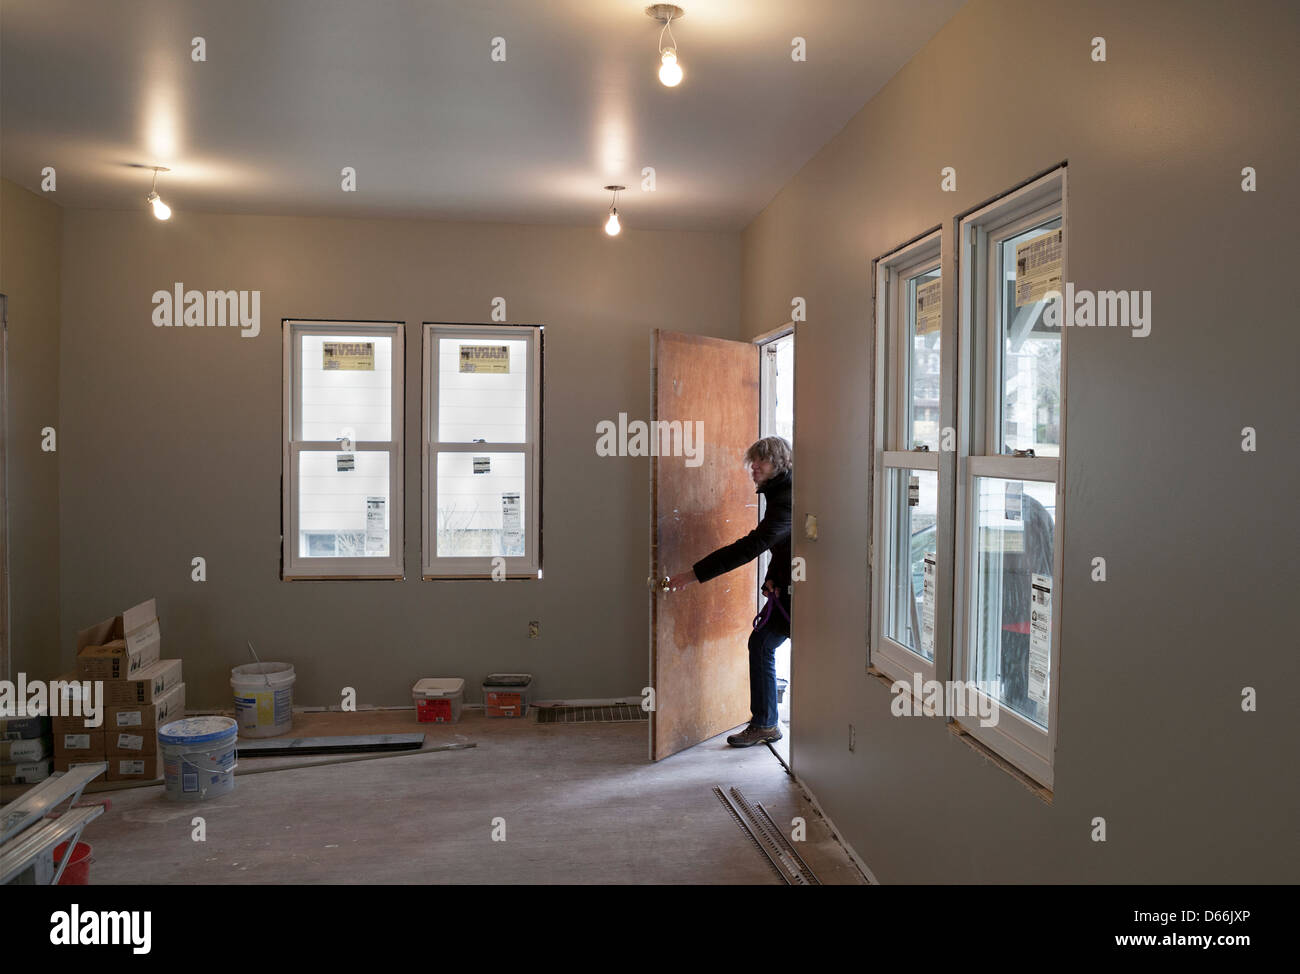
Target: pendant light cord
<point>668,26</point>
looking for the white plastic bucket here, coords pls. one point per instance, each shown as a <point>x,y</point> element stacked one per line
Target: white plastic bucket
<point>263,698</point>
<point>438,701</point>
<point>198,757</point>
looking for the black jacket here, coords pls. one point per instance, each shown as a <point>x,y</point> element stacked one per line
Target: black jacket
<point>772,534</point>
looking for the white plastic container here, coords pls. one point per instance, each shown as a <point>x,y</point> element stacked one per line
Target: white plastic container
<point>438,701</point>
<point>263,698</point>
<point>198,756</point>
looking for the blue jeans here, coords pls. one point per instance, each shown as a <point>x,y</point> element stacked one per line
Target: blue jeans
<point>762,671</point>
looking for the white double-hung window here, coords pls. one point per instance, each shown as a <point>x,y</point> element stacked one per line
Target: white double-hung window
<point>1010,471</point>
<point>341,510</point>
<point>481,453</point>
<point>908,505</point>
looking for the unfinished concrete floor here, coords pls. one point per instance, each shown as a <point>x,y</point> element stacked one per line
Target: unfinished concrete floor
<point>581,804</point>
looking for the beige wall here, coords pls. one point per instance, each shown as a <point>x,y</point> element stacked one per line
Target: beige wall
<point>171,447</point>
<point>1153,661</point>
<point>29,277</point>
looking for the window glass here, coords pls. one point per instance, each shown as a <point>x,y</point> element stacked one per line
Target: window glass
<point>1013,591</point>
<point>922,396</point>
<point>1031,351</point>
<point>343,504</point>
<point>345,385</point>
<point>912,520</point>
<point>482,390</point>
<point>481,507</point>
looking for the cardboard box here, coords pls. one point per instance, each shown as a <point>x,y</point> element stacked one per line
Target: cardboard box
<point>67,764</point>
<point>78,725</point>
<point>80,744</point>
<point>146,686</point>
<point>133,742</point>
<point>21,751</point>
<point>70,700</point>
<point>135,769</point>
<point>26,772</point>
<point>24,728</point>
<point>119,648</point>
<point>170,706</point>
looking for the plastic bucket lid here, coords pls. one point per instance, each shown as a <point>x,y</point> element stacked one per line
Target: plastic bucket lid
<point>435,687</point>
<point>274,675</point>
<point>508,680</point>
<point>190,731</point>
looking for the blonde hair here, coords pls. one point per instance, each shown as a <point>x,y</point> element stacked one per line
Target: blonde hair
<point>774,449</point>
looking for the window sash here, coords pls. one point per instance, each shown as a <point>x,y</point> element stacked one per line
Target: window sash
<point>448,566</point>
<point>294,565</point>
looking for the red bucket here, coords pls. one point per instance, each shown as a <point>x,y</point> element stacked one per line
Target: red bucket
<point>77,872</point>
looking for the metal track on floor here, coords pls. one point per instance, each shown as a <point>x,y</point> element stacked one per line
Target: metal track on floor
<point>768,838</point>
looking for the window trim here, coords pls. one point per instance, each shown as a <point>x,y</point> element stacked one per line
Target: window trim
<point>294,567</point>
<point>1020,741</point>
<point>432,567</point>
<point>892,271</point>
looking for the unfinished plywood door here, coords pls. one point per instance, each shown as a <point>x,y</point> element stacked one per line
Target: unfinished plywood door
<point>699,658</point>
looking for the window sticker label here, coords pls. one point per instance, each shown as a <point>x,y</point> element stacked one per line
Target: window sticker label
<point>1040,636</point>
<point>1038,267</point>
<point>493,359</point>
<point>346,462</point>
<point>927,606</point>
<point>348,356</point>
<point>929,306</point>
<point>511,520</point>
<point>1014,502</point>
<point>913,490</point>
<point>376,534</point>
<point>482,464</point>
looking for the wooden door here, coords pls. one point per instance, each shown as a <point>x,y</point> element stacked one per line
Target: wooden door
<point>699,657</point>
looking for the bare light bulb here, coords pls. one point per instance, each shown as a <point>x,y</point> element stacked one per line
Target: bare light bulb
<point>160,209</point>
<point>670,72</point>
<point>612,225</point>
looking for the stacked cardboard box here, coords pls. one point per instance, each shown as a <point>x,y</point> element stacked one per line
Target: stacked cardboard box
<point>141,693</point>
<point>26,750</point>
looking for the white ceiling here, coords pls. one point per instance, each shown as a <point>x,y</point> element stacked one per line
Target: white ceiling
<point>405,91</point>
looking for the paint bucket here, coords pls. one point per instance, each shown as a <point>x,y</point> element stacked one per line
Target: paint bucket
<point>198,757</point>
<point>263,698</point>
<point>77,871</point>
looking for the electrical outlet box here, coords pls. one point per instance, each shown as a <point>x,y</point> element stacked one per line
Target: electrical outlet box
<point>534,629</point>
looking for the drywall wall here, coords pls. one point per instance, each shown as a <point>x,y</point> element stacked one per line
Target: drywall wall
<point>171,447</point>
<point>1199,536</point>
<point>29,277</point>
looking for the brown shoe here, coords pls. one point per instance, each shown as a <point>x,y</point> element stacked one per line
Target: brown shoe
<point>752,735</point>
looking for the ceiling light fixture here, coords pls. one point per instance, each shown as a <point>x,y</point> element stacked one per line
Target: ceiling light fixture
<point>160,209</point>
<point>612,226</point>
<point>670,72</point>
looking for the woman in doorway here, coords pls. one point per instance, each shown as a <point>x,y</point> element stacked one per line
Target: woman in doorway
<point>771,467</point>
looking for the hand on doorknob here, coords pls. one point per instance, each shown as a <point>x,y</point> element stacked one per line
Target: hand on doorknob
<point>675,583</point>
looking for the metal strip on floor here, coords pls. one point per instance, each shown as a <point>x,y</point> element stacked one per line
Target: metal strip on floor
<point>769,839</point>
<point>800,874</point>
<point>749,832</point>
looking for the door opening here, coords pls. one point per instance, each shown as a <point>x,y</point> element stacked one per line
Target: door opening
<point>776,418</point>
